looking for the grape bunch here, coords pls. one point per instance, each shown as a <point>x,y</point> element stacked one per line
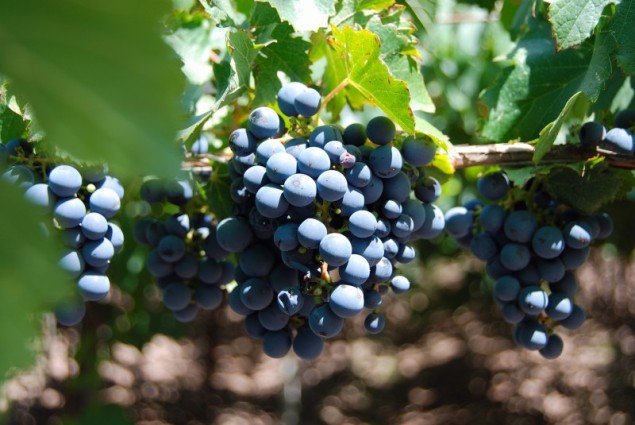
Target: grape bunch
<point>322,218</point>
<point>619,139</point>
<point>187,263</point>
<point>532,245</point>
<point>80,205</point>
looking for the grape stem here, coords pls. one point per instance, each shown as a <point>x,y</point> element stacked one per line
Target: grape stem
<point>332,94</point>
<point>463,156</point>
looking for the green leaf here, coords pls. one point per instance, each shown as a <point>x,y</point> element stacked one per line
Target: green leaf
<point>30,281</point>
<point>373,4</point>
<point>193,44</point>
<point>11,124</point>
<point>589,191</point>
<point>424,127</point>
<point>550,132</point>
<point>574,20</point>
<point>305,15</point>
<point>366,74</point>
<point>398,51</point>
<point>621,27</point>
<point>103,84</point>
<point>534,88</point>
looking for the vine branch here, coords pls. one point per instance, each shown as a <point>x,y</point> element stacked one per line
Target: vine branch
<point>464,156</point>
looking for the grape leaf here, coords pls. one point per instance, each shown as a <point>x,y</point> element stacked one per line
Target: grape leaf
<point>574,20</point>
<point>550,132</point>
<point>621,27</point>
<point>11,124</point>
<point>534,88</point>
<point>587,192</point>
<point>351,12</point>
<point>193,44</point>
<point>398,51</point>
<point>103,84</point>
<point>367,74</point>
<point>30,281</point>
<point>305,15</point>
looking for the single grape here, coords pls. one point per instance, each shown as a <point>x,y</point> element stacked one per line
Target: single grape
<point>374,323</point>
<point>399,284</point>
<point>405,254</point>
<point>171,248</point>
<point>560,306</point>
<point>591,134</point>
<point>209,271</point>
<point>434,222</point>
<point>550,270</point>
<point>483,246</point>
<point>532,336</point>
<point>290,300</point>
<point>567,285</point>
<point>515,256</point>
<point>331,185</point>
<point>313,161</point>
<point>418,152</point>
<point>577,234</point>
<point>286,237</point>
<point>276,344</point>
<point>553,349</point>
<point>492,217</point>
<point>352,201</point>
<point>41,196</point>
<point>493,186</point>
<point>324,322</point>
<point>307,102</point>
<point>242,142</point>
<point>520,226</point>
<point>355,271</point>
<point>300,190</point>
<point>65,180</point>
<point>397,187</point>
<point>263,122</point>
<point>512,313</point>
<point>362,224</point>
<point>380,130</point>
<point>575,319</point>
<point>359,175</point>
<point>272,318</point>
<point>306,344</point>
<point>458,221</point>
<point>70,312</point>
<point>506,288</point>
<point>296,145</point>
<point>270,201</point>
<point>200,146</point>
<point>311,232</point>
<point>335,249</point>
<point>72,262</point>
<point>176,296</point>
<point>371,248</point>
<point>93,286</point>
<point>105,202</point>
<point>385,161</point>
<point>252,326</point>
<point>280,166</point>
<point>619,140</point>
<point>94,226</point>
<point>69,212</point>
<point>532,300</point>
<point>255,293</point>
<point>427,189</point>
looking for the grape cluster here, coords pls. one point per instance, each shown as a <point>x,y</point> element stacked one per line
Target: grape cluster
<point>81,204</point>
<point>532,245</point>
<point>187,263</point>
<point>619,139</point>
<point>322,219</point>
